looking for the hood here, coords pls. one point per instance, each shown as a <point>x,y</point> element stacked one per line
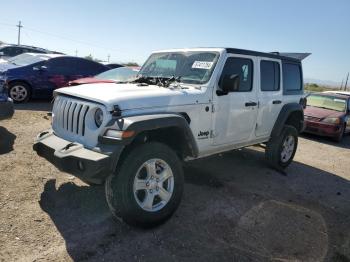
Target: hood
<point>321,113</point>
<point>134,96</point>
<point>89,80</point>
<point>5,66</point>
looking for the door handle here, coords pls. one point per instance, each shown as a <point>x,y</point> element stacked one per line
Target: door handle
<point>250,104</point>
<point>276,102</point>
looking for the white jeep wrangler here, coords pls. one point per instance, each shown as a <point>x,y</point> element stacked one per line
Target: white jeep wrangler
<point>185,104</point>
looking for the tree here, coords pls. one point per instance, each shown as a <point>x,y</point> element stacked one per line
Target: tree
<point>131,64</point>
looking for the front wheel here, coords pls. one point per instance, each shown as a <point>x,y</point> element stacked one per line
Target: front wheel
<point>280,150</point>
<point>19,92</point>
<point>147,187</point>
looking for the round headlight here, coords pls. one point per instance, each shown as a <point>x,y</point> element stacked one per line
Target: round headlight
<point>98,117</point>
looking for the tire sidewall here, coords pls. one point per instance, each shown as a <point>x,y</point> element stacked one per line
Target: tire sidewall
<point>122,185</point>
<point>24,85</point>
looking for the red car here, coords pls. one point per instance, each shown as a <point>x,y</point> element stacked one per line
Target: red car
<point>116,75</point>
<point>328,114</point>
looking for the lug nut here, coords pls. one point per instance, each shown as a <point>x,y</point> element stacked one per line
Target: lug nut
<point>151,191</point>
<point>147,184</point>
<point>152,177</point>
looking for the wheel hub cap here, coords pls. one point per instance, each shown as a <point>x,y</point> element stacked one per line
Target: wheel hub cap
<point>287,149</point>
<point>153,185</point>
<point>18,93</point>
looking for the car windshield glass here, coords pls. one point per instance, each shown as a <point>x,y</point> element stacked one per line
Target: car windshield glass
<point>189,67</point>
<point>120,74</point>
<point>327,102</point>
<point>26,59</point>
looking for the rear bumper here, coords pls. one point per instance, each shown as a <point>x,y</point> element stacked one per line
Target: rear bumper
<point>322,129</point>
<point>89,165</point>
<point>6,109</point>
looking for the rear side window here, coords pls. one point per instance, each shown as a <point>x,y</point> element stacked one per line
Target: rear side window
<point>242,67</point>
<point>292,78</point>
<point>269,76</point>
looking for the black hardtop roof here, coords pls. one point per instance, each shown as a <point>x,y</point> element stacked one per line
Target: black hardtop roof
<point>275,55</point>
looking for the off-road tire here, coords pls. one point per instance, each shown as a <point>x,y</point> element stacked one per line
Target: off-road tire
<point>274,148</point>
<point>119,186</point>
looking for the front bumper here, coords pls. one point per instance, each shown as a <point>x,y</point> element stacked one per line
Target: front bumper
<point>89,165</point>
<point>6,109</point>
<point>323,129</point>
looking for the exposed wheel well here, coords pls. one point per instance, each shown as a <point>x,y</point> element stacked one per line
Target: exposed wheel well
<point>20,81</point>
<point>171,136</point>
<point>295,119</point>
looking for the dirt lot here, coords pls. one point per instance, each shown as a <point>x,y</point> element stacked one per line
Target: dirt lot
<point>234,208</point>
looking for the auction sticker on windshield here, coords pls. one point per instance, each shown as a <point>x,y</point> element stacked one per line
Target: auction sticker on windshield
<point>202,65</point>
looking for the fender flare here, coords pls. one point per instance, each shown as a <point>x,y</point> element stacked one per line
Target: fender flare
<point>149,122</point>
<point>285,112</point>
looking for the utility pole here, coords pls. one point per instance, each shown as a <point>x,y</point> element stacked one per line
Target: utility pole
<point>346,82</point>
<point>108,57</point>
<point>19,32</point>
<point>76,53</point>
<point>341,86</point>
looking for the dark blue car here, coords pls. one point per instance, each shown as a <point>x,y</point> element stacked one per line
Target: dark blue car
<point>37,75</point>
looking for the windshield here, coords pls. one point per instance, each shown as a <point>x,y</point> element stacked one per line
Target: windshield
<point>328,102</point>
<point>120,74</point>
<point>188,67</point>
<point>28,59</point>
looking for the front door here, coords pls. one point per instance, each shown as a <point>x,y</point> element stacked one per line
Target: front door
<point>236,112</point>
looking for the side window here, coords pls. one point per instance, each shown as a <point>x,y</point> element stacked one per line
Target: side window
<point>9,51</point>
<point>88,68</point>
<point>243,68</point>
<point>61,66</point>
<point>292,78</point>
<point>269,76</point>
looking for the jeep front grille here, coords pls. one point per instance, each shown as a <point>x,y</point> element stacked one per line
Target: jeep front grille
<point>70,115</point>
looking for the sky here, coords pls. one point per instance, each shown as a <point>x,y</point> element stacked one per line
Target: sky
<point>131,30</point>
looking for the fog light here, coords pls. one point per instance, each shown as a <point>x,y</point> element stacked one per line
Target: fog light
<point>81,165</point>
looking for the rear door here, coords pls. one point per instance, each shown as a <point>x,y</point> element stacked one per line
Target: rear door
<point>270,95</point>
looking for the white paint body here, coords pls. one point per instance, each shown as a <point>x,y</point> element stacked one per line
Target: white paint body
<point>229,122</point>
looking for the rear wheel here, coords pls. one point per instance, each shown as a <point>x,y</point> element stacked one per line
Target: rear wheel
<point>19,92</point>
<point>280,150</point>
<point>147,187</point>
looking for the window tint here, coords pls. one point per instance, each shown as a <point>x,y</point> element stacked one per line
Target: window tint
<point>242,67</point>
<point>87,68</point>
<point>61,65</point>
<point>292,77</point>
<point>269,76</point>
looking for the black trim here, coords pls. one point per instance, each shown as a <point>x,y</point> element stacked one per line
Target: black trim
<point>141,123</point>
<point>285,112</point>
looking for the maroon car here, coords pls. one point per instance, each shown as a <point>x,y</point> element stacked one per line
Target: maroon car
<point>328,114</point>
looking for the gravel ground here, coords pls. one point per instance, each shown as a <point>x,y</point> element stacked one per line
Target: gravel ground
<point>234,208</point>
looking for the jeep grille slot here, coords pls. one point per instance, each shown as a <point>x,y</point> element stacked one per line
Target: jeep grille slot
<point>70,115</point>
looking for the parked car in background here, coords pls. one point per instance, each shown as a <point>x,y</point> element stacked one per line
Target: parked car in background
<point>111,65</point>
<point>117,75</point>
<point>6,105</point>
<point>328,114</point>
<point>8,51</point>
<point>37,76</point>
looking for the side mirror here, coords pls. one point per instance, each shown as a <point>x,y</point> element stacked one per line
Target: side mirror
<point>229,83</point>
